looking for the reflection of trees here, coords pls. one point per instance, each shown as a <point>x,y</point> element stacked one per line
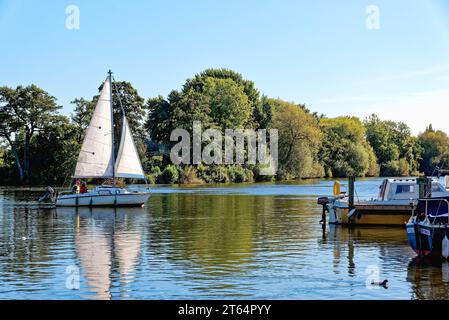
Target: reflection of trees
<point>429,280</point>
<point>27,259</point>
<point>224,231</point>
<point>207,230</point>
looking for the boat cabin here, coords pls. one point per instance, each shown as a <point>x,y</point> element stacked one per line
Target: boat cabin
<point>407,188</point>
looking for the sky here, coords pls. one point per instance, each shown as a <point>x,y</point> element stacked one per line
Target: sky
<point>337,57</point>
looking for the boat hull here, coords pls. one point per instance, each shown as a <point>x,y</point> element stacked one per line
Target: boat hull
<point>381,215</point>
<point>426,232</point>
<point>93,200</point>
<point>370,215</point>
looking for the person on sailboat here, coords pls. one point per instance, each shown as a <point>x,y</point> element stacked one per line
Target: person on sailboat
<point>83,188</point>
<point>49,192</point>
<point>76,186</point>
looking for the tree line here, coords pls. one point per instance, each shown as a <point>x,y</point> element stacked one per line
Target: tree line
<point>40,145</point>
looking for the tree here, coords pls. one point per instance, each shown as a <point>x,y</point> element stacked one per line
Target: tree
<point>218,98</point>
<point>199,81</point>
<point>229,105</point>
<point>27,110</point>
<point>263,113</point>
<point>59,139</point>
<point>398,152</point>
<point>82,115</point>
<point>345,150</point>
<point>435,146</point>
<point>9,125</point>
<point>299,139</point>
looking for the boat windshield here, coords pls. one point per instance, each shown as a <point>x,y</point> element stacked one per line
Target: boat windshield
<point>436,187</point>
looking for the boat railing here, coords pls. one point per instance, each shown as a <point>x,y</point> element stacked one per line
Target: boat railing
<point>434,200</point>
<point>64,192</point>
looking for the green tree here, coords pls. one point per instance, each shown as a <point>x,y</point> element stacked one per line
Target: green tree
<point>345,150</point>
<point>10,125</point>
<point>435,145</point>
<point>398,152</point>
<point>28,109</point>
<point>217,98</point>
<point>299,139</point>
<point>59,139</point>
<point>199,82</point>
<point>82,115</point>
<point>229,105</point>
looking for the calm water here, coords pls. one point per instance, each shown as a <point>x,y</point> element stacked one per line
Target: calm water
<point>260,241</point>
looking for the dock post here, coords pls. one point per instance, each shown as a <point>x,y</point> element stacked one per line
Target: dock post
<point>425,187</point>
<point>351,191</point>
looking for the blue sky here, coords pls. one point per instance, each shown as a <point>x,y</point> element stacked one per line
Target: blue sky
<point>315,52</point>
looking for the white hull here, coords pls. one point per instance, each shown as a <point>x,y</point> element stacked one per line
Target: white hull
<point>103,198</point>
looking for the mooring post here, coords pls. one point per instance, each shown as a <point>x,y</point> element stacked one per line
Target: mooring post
<point>425,187</point>
<point>351,191</point>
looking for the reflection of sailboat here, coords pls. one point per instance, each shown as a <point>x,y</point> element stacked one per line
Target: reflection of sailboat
<point>127,250</point>
<point>97,160</point>
<point>107,241</point>
<point>93,250</point>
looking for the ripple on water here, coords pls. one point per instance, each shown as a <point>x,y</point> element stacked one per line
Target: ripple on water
<point>260,241</point>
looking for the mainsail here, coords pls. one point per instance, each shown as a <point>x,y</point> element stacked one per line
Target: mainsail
<point>128,163</point>
<point>95,158</point>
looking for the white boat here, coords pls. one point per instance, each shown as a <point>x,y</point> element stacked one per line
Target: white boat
<point>97,160</point>
<point>392,206</point>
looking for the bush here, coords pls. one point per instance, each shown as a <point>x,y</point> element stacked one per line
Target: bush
<point>316,171</point>
<point>170,175</point>
<point>203,173</point>
<point>151,179</point>
<point>329,173</point>
<point>261,177</point>
<point>399,168</point>
<point>284,175</point>
<point>213,174</point>
<point>189,175</point>
<point>239,174</point>
<point>219,174</point>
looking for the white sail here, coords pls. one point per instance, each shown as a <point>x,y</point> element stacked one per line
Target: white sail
<point>128,163</point>
<point>95,158</point>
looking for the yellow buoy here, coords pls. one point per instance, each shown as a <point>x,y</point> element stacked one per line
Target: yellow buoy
<point>337,188</point>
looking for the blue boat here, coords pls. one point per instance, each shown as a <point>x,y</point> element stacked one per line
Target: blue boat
<point>428,228</point>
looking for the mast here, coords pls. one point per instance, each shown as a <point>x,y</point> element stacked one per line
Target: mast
<point>112,127</point>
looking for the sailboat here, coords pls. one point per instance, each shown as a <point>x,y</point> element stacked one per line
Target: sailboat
<point>97,160</point>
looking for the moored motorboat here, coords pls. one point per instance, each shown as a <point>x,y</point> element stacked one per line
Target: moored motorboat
<point>97,160</point>
<point>392,207</point>
<point>428,228</point>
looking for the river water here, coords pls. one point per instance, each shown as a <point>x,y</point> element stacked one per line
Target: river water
<point>255,241</point>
